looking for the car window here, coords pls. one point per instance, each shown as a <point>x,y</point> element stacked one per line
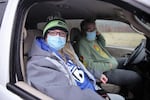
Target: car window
<point>118,34</point>
<point>3,4</point>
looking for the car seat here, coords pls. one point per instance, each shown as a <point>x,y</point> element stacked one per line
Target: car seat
<point>29,36</point>
<point>75,36</point>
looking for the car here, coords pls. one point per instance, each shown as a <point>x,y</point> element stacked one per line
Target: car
<point>22,20</point>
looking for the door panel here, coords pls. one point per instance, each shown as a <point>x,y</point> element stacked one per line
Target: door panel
<point>119,51</point>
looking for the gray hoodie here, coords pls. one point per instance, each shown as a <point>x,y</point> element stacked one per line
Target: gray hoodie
<point>49,74</point>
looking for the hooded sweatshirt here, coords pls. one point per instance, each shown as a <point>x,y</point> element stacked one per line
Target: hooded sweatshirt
<point>50,75</point>
<point>95,57</point>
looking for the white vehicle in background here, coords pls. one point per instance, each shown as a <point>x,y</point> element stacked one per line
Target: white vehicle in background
<point>18,18</point>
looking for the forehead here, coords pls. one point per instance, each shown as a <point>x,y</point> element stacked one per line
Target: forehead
<point>91,26</point>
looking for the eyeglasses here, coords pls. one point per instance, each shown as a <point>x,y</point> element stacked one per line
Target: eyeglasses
<point>57,32</point>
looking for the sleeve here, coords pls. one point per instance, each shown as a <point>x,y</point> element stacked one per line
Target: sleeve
<point>101,39</point>
<point>95,67</point>
<point>55,84</point>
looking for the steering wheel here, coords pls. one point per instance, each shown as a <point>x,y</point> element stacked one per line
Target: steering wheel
<point>137,55</point>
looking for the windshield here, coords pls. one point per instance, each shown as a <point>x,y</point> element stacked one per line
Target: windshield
<point>145,2</point>
<point>118,34</point>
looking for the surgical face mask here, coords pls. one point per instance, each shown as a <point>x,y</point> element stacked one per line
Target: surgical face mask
<point>56,42</point>
<point>91,35</point>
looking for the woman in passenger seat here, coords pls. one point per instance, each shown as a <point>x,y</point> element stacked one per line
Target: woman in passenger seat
<point>53,70</point>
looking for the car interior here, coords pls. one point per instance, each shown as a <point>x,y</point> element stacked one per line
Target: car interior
<point>32,15</point>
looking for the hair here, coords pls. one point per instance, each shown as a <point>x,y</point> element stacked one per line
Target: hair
<point>84,24</point>
<point>69,51</point>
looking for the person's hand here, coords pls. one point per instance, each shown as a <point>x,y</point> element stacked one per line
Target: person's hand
<point>103,79</point>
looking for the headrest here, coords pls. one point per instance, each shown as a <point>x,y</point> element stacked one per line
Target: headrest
<point>31,34</point>
<point>40,26</point>
<point>75,34</point>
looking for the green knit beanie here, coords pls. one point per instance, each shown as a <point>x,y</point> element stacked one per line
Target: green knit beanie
<point>55,24</point>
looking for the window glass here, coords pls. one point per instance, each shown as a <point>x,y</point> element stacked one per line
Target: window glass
<point>118,34</point>
<point>3,4</point>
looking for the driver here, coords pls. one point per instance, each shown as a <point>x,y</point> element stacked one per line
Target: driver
<point>99,61</point>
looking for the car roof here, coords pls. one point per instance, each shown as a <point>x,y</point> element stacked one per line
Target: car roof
<point>121,10</point>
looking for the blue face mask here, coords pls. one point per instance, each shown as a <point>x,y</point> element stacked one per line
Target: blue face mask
<point>56,42</point>
<point>91,35</point>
